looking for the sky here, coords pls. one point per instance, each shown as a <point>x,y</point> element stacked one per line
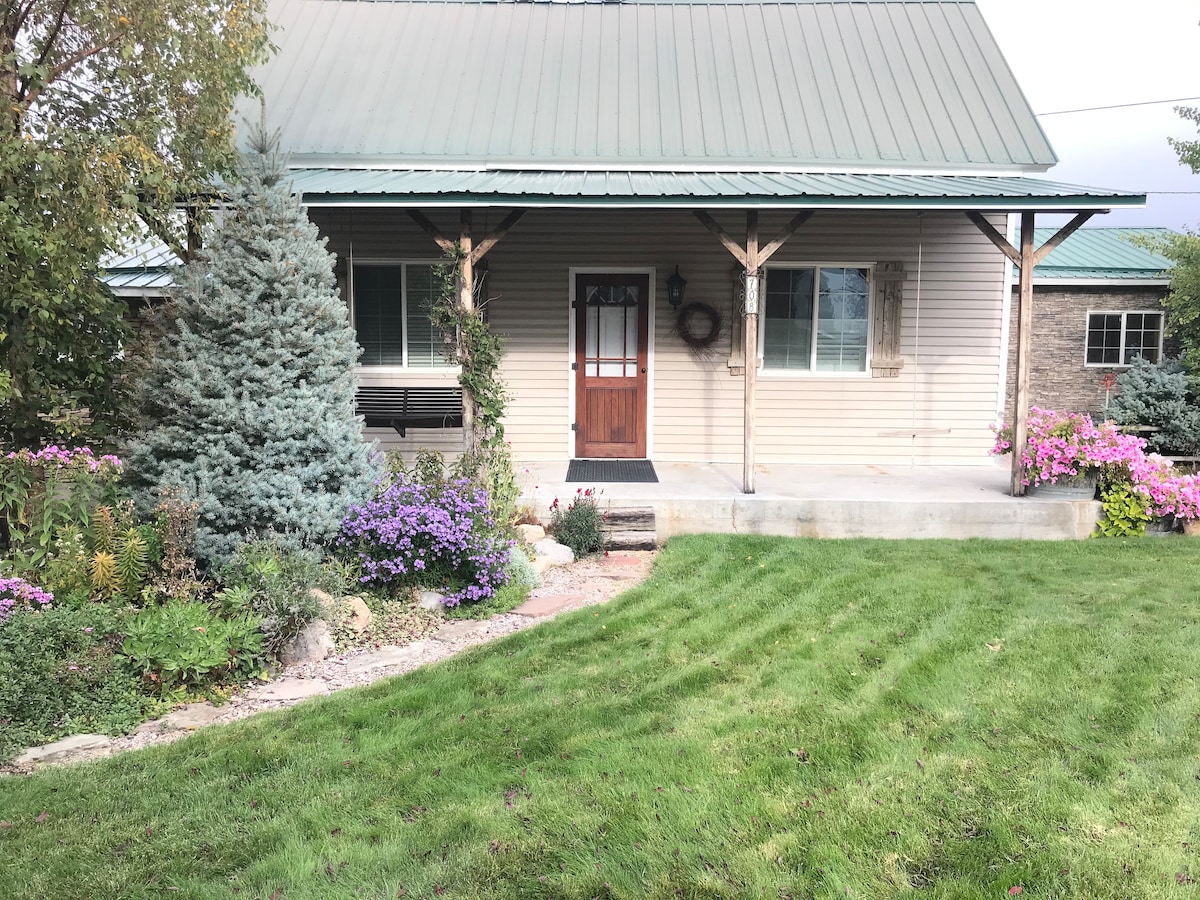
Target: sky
<point>1076,54</point>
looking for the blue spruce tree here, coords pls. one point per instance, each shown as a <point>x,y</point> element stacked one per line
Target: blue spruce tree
<point>249,403</point>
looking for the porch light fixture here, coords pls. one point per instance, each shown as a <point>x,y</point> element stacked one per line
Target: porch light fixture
<point>675,285</point>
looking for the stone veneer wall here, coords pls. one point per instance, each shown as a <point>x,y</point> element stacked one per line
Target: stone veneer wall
<point>1059,379</point>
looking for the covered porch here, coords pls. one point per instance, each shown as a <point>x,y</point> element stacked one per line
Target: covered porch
<point>881,501</point>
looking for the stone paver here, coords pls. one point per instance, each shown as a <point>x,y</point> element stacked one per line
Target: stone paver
<point>385,657</point>
<point>547,605</point>
<point>628,561</point>
<point>293,689</point>
<point>453,631</point>
<point>63,749</point>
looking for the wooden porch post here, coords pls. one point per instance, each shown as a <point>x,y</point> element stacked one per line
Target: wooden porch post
<point>1026,258</point>
<point>1024,343</point>
<point>750,330</point>
<point>468,254</point>
<point>466,302</point>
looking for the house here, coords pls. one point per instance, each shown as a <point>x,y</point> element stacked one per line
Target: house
<point>1098,305</point>
<point>141,274</point>
<point>831,179</point>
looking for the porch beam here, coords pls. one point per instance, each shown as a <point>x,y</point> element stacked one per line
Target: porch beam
<point>497,233</point>
<point>430,229</point>
<point>729,243</point>
<point>1063,233</point>
<point>784,233</point>
<point>750,330</point>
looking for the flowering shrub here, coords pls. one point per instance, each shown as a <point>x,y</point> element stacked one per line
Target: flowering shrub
<point>439,536</point>
<point>43,490</point>
<point>579,525</point>
<point>1135,486</point>
<point>1065,445</point>
<point>17,594</point>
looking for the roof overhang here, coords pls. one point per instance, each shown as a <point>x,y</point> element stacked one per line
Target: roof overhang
<point>564,189</point>
<point>1100,281</point>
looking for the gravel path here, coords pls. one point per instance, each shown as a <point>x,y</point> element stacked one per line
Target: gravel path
<point>565,588</point>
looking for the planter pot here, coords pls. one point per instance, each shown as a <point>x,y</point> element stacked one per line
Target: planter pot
<point>1160,526</point>
<point>1075,487</point>
<point>1191,527</point>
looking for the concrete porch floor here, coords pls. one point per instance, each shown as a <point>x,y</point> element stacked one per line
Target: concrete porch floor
<point>829,501</point>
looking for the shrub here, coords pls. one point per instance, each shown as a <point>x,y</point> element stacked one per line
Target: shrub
<point>275,585</point>
<point>1125,510</point>
<point>1064,445</point>
<point>184,646</point>
<point>415,534</point>
<point>580,525</point>
<point>1159,396</point>
<point>520,570</point>
<point>61,673</point>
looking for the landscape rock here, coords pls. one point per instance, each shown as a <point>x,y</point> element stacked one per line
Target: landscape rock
<point>293,689</point>
<point>430,600</point>
<point>322,597</point>
<point>453,631</point>
<point>386,657</point>
<point>531,534</point>
<point>550,549</point>
<point>194,715</point>
<point>360,613</point>
<point>62,750</point>
<point>312,644</point>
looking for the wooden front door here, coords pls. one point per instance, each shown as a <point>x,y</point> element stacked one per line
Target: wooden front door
<point>611,341</point>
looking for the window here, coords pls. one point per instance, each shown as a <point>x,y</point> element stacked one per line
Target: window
<point>815,319</point>
<point>392,302</point>
<point>1115,338</point>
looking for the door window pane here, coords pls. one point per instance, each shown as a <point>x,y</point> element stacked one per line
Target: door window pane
<point>611,338</point>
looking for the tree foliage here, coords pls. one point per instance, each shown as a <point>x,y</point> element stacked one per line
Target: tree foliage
<point>111,116</point>
<point>1189,151</point>
<point>249,403</point>
<point>1159,395</point>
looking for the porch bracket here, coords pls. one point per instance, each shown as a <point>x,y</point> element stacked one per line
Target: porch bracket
<point>1025,259</point>
<point>497,233</point>
<point>432,230</point>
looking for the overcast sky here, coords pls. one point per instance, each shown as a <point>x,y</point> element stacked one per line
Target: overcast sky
<point>1073,54</point>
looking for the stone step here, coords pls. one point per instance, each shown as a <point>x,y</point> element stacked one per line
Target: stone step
<point>630,540</point>
<point>633,518</point>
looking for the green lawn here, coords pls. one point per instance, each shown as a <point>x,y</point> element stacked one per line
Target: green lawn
<point>762,718</point>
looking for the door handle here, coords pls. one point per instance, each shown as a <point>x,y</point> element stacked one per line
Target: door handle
<point>643,370</point>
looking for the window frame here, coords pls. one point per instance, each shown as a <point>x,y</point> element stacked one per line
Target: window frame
<point>402,264</point>
<point>769,372</point>
<point>1124,314</point>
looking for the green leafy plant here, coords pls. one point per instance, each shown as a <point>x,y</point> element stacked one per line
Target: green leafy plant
<point>275,585</point>
<point>61,673</point>
<point>185,646</point>
<point>1126,510</point>
<point>580,524</point>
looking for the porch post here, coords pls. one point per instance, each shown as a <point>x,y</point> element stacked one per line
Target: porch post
<point>1024,344</point>
<point>750,330</point>
<point>466,302</point>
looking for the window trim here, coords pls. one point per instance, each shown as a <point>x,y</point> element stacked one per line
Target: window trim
<point>767,372</point>
<point>1123,313</point>
<point>402,263</point>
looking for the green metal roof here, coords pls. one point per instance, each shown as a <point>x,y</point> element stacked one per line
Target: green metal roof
<point>809,85</point>
<point>1103,254</point>
<point>691,190</point>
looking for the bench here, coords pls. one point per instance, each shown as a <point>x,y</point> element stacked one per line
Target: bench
<point>402,408</point>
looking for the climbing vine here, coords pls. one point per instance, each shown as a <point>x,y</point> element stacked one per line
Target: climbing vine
<point>477,350</point>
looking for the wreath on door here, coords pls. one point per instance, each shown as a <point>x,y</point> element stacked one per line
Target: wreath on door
<point>698,325</point>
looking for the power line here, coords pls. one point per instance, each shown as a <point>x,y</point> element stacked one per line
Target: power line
<point>1063,112</point>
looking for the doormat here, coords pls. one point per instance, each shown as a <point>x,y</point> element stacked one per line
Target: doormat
<point>608,471</point>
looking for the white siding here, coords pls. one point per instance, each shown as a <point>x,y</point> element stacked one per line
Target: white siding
<point>951,346</point>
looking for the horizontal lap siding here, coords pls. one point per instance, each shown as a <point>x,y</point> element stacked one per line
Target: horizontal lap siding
<point>697,404</point>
